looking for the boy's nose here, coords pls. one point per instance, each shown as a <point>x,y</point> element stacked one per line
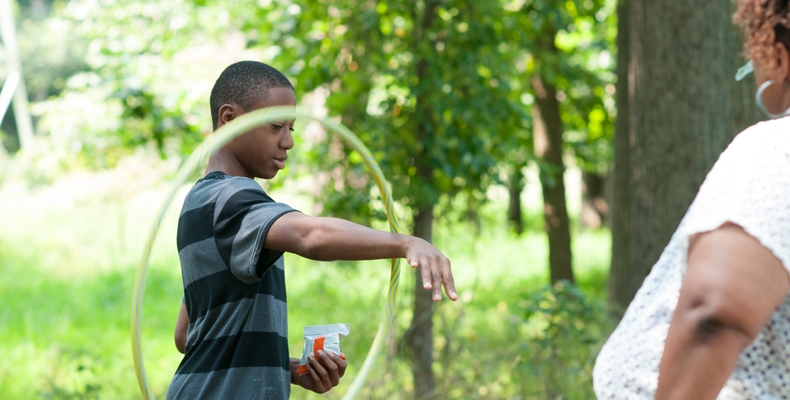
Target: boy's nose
<point>287,141</point>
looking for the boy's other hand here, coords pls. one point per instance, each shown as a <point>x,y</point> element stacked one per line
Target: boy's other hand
<point>434,267</point>
<point>323,373</point>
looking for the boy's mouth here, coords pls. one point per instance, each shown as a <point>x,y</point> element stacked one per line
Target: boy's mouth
<point>279,162</point>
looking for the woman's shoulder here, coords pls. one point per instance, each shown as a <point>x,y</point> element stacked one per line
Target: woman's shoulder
<point>754,168</point>
<point>764,143</point>
<point>771,134</point>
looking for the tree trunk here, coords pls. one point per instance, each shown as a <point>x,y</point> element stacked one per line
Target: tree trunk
<point>595,208</point>
<point>514,213</point>
<point>548,146</point>
<point>24,123</point>
<point>621,197</point>
<point>420,334</point>
<point>684,107</point>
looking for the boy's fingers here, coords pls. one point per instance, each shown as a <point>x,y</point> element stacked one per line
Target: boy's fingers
<point>331,367</point>
<point>449,288</point>
<point>436,286</point>
<point>322,374</point>
<point>449,284</point>
<point>340,361</point>
<point>451,293</point>
<point>425,271</point>
<point>316,387</point>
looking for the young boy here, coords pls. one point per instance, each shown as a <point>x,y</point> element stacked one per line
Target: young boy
<point>231,238</point>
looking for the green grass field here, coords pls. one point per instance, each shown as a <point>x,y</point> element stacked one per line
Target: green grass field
<point>68,254</point>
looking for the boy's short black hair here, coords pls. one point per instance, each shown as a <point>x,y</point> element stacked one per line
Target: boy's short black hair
<point>244,83</point>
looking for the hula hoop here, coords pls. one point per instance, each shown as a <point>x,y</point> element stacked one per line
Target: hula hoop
<point>222,136</point>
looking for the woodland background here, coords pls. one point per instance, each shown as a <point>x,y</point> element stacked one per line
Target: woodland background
<point>548,147</point>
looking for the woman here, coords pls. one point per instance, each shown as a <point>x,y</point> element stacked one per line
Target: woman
<point>712,320</point>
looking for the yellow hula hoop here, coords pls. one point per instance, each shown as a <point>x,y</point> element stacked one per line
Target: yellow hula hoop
<point>222,136</point>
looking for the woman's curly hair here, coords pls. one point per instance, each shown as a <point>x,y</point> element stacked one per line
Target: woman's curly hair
<point>765,22</point>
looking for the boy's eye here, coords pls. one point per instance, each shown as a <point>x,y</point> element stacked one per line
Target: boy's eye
<point>277,127</point>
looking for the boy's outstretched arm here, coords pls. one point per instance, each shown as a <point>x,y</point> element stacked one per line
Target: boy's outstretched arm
<point>330,239</point>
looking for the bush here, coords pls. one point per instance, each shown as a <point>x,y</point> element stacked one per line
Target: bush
<point>567,330</point>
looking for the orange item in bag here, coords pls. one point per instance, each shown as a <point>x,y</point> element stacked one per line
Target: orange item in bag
<point>321,337</point>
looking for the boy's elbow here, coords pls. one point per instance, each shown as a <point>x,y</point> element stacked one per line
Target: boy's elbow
<point>315,243</point>
<point>298,234</point>
<point>316,248</point>
<point>181,342</point>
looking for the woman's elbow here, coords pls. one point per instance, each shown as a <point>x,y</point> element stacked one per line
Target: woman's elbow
<point>713,317</point>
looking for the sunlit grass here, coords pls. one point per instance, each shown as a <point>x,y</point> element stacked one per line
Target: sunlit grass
<point>68,255</point>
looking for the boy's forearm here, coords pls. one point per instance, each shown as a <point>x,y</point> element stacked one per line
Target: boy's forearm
<point>330,239</point>
<point>294,366</point>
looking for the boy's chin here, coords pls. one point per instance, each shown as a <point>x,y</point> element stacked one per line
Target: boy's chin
<point>268,175</point>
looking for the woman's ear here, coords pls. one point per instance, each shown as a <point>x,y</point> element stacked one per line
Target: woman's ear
<point>783,56</point>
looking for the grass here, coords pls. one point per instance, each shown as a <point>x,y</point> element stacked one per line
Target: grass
<point>68,254</point>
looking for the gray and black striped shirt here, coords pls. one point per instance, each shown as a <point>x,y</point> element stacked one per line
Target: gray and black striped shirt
<point>234,289</point>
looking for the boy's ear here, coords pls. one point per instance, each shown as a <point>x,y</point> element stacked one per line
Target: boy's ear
<point>227,113</point>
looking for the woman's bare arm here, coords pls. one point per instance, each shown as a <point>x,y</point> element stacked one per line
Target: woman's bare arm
<point>732,286</point>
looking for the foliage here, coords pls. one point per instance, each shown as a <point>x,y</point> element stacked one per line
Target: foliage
<point>150,68</point>
<point>48,47</point>
<point>424,84</point>
<point>73,341</point>
<point>137,75</point>
<point>438,89</point>
<point>568,327</point>
<point>570,44</point>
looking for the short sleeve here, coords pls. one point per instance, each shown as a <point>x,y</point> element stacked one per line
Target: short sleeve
<point>244,219</point>
<point>749,186</point>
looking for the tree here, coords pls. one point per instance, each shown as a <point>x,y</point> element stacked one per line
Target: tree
<point>124,91</point>
<point>678,108</point>
<point>515,185</point>
<point>548,147</point>
<point>425,85</point>
<point>20,103</point>
<point>568,88</point>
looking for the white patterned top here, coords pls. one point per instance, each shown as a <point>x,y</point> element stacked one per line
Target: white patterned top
<point>750,186</point>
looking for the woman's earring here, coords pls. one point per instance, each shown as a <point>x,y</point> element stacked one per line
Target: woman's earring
<point>758,97</point>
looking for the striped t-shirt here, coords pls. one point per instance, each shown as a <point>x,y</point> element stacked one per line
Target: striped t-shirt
<point>234,289</point>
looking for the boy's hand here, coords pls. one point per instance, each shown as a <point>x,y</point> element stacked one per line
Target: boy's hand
<point>434,267</point>
<point>323,373</point>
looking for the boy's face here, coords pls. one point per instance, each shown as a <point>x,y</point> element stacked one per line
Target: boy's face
<point>261,152</point>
